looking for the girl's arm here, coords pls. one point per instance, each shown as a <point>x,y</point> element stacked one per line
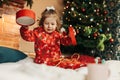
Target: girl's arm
<point>65,40</point>
<point>70,39</point>
<point>27,34</point>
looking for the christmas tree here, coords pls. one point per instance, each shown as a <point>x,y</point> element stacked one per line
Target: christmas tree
<point>92,23</point>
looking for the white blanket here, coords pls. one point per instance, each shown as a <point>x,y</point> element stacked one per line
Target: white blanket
<point>26,69</point>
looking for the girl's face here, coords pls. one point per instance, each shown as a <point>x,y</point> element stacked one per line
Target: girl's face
<point>50,24</point>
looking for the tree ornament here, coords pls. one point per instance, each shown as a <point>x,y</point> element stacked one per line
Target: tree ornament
<point>110,20</point>
<point>87,31</point>
<point>105,12</point>
<point>100,30</point>
<point>109,36</point>
<point>95,34</point>
<point>67,4</point>
<point>111,40</point>
<point>101,41</point>
<point>83,9</point>
<point>67,7</point>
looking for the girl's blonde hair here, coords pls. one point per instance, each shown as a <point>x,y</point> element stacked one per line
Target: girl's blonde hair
<point>46,13</point>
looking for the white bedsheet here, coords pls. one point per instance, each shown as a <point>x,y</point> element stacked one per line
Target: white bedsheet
<point>26,69</point>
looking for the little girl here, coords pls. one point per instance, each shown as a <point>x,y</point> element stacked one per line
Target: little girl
<point>46,37</point>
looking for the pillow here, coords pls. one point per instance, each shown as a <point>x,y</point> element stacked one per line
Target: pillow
<point>10,55</point>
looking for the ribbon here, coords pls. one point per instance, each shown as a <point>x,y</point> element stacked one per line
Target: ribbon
<point>50,8</point>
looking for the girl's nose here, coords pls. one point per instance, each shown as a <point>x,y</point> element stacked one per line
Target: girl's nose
<point>49,25</point>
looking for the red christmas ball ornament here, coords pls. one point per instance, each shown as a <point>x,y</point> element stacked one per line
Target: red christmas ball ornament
<point>105,12</point>
<point>111,40</point>
<point>83,9</point>
<point>95,34</point>
<point>110,20</point>
<point>67,6</point>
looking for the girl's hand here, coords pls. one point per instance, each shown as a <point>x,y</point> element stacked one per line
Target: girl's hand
<point>74,32</point>
<point>25,26</point>
<point>62,30</point>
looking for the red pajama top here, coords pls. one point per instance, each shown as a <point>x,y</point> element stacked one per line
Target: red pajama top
<point>46,45</point>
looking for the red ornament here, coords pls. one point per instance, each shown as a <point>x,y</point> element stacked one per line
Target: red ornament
<point>83,9</point>
<point>95,34</point>
<point>111,40</point>
<point>105,12</point>
<point>110,20</point>
<point>67,6</point>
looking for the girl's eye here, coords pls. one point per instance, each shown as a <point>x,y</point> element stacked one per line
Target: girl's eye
<point>52,24</point>
<point>46,23</point>
<point>49,23</point>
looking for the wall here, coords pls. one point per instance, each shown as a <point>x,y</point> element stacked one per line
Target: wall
<point>9,30</point>
<point>38,7</point>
